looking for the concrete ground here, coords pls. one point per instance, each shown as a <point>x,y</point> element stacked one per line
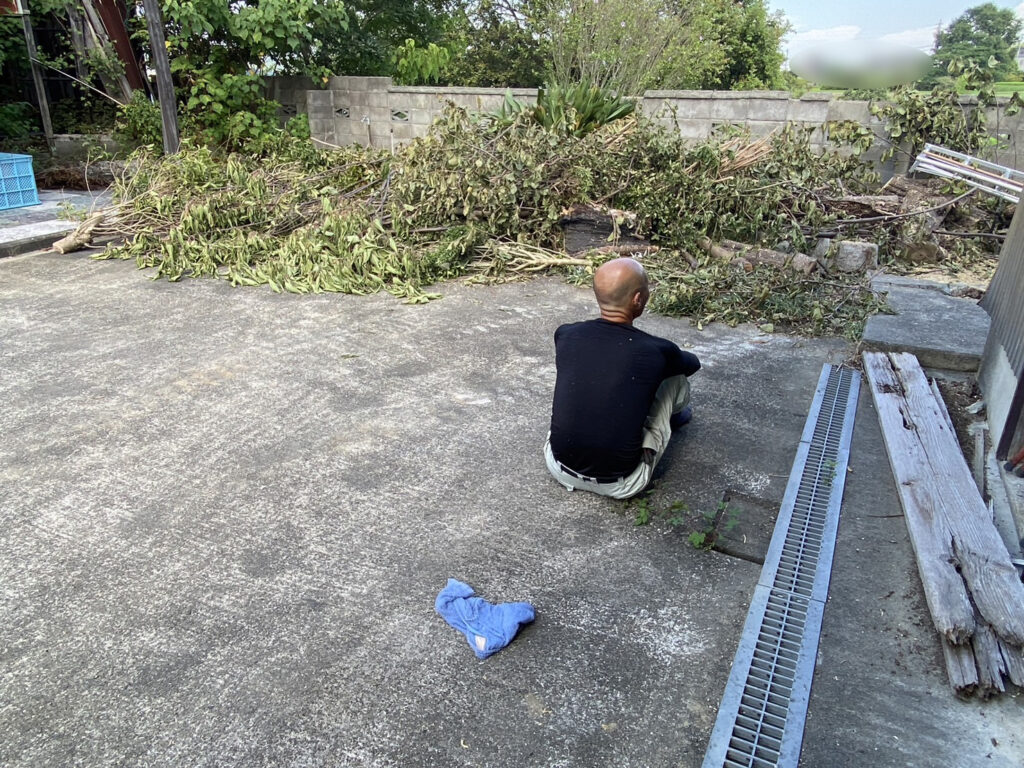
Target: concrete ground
<point>37,227</point>
<point>944,331</point>
<point>225,515</point>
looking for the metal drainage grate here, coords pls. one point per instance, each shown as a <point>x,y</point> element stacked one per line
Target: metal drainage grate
<point>761,719</point>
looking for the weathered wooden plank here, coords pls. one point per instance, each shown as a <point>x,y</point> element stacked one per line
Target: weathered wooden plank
<point>980,552</point>
<point>934,385</point>
<point>944,589</point>
<point>960,667</point>
<point>989,659</point>
<point>1013,657</point>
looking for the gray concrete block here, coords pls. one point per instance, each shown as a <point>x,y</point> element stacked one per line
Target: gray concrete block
<point>402,101</point>
<point>694,129</point>
<point>377,99</point>
<point>807,110</point>
<point>768,109</point>
<point>317,99</point>
<point>856,111</point>
<point>358,83</point>
<point>421,116</point>
<point>490,103</point>
<point>729,109</point>
<point>691,108</point>
<point>681,95</point>
<point>404,131</point>
<point>856,256</point>
<point>944,332</point>
<point>343,125</point>
<point>759,128</point>
<point>319,126</point>
<point>378,83</point>
<point>339,83</point>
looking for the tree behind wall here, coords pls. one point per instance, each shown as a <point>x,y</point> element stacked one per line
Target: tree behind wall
<point>221,51</point>
<point>498,43</point>
<point>377,28</point>
<point>979,34</point>
<point>634,45</point>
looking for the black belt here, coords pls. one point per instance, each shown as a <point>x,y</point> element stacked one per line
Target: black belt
<point>578,476</point>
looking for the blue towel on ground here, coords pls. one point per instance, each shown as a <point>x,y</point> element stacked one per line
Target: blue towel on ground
<point>487,627</point>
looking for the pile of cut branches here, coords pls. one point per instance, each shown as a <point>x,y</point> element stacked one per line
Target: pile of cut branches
<point>483,198</point>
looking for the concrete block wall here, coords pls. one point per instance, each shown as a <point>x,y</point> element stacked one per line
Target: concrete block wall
<point>290,92</point>
<point>374,111</point>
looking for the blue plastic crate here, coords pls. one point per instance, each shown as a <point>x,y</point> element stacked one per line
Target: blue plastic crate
<point>17,181</point>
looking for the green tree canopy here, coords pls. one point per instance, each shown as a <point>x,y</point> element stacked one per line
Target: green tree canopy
<point>979,34</point>
<point>377,28</point>
<point>498,43</point>
<point>632,45</point>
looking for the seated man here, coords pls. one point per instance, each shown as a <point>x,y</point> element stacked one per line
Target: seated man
<point>618,391</point>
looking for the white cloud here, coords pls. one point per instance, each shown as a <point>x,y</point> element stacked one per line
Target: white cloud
<point>1020,10</point>
<point>800,40</point>
<point>845,32</point>
<point>922,38</point>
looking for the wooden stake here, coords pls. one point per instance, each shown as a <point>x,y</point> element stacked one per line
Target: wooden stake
<point>37,77</point>
<point>164,84</point>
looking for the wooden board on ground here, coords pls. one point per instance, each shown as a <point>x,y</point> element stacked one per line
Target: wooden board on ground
<point>963,563</point>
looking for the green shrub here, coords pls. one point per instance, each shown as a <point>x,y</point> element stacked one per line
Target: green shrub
<point>574,110</point>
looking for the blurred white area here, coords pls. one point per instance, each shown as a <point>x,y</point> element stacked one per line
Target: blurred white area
<point>860,63</point>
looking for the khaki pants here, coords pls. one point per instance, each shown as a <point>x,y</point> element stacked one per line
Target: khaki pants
<point>672,397</point>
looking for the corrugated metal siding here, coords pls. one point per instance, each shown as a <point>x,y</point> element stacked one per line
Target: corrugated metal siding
<point>1004,300</point>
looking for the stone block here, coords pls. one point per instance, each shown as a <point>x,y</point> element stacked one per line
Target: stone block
<point>339,83</point>
<point>694,129</point>
<point>319,126</point>
<point>729,110</point>
<point>855,256</point>
<point>768,109</point>
<point>465,100</point>
<point>944,332</point>
<point>421,116</point>
<point>402,101</point>
<point>759,128</point>
<point>343,139</point>
<point>691,108</point>
<point>357,83</point>
<point>377,99</point>
<point>379,114</point>
<point>320,99</point>
<point>808,111</point>
<point>404,131</point>
<point>424,100</point>
<point>857,111</point>
<point>378,83</point>
<point>490,103</point>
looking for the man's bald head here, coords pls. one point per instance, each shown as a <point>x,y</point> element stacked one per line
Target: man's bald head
<point>621,288</point>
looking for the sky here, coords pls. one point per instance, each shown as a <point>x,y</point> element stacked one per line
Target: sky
<point>912,22</point>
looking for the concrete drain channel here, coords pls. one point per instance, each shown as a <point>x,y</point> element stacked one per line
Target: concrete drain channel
<point>761,719</point>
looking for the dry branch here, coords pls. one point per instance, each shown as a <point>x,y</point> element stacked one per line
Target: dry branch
<point>81,237</point>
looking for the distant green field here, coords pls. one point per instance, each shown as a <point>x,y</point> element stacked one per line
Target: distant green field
<point>1005,89</point>
<point>1001,89</point>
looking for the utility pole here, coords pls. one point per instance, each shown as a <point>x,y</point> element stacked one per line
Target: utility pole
<point>37,72</point>
<point>164,85</point>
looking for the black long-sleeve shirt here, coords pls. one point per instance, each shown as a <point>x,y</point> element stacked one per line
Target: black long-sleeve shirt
<point>607,376</point>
